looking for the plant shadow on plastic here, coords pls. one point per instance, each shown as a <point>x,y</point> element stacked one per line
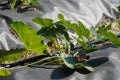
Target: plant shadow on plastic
<point>60,73</point>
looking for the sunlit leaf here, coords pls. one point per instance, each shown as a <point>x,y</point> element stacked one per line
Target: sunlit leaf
<point>84,65</point>
<point>104,28</point>
<point>34,2</point>
<point>84,31</point>
<point>29,36</point>
<point>44,22</point>
<point>66,23</point>
<point>30,1</point>
<point>112,38</point>
<point>11,55</point>
<point>4,72</point>
<point>61,17</point>
<point>75,27</point>
<point>94,33</point>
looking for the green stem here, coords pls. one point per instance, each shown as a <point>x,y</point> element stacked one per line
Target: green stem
<point>44,59</point>
<point>59,49</point>
<point>51,62</point>
<point>58,45</point>
<point>12,4</point>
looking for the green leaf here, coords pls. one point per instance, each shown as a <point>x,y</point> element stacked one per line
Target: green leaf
<point>66,23</point>
<point>29,36</point>
<point>101,29</point>
<point>94,33</point>
<point>84,31</point>
<point>72,62</point>
<point>61,17</point>
<point>104,28</point>
<point>75,27</point>
<point>11,55</point>
<point>84,65</point>
<point>112,38</point>
<point>34,2</point>
<point>88,67</point>
<point>4,72</point>
<point>68,60</point>
<point>47,32</point>
<point>79,28</point>
<point>60,29</point>
<point>44,22</point>
<point>54,30</point>
<point>30,1</point>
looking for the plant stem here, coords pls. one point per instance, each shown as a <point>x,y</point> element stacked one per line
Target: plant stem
<point>50,62</point>
<point>59,49</point>
<point>12,3</point>
<point>44,59</point>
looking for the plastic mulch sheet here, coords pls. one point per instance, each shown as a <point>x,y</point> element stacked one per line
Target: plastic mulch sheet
<point>105,61</point>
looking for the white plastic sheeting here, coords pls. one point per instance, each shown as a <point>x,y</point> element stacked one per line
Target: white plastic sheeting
<point>89,12</point>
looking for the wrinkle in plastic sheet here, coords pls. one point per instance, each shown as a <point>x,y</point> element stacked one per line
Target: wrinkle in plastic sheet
<point>8,40</point>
